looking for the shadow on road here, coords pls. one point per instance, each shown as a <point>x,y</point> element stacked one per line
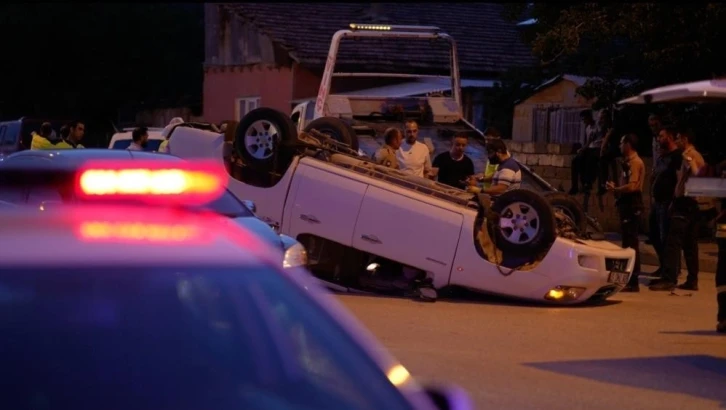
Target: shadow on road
<point>695,333</point>
<point>694,375</point>
<point>458,295</point>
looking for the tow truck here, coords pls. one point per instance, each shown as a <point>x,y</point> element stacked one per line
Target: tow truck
<point>360,221</point>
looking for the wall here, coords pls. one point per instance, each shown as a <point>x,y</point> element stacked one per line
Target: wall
<point>161,117</point>
<point>552,163</point>
<point>562,93</point>
<point>224,85</point>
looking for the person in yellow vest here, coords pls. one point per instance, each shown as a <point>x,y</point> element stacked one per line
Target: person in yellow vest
<point>47,140</point>
<point>166,133</point>
<point>480,182</point>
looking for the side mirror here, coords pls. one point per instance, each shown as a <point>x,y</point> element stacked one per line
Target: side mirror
<point>250,205</point>
<point>449,398</point>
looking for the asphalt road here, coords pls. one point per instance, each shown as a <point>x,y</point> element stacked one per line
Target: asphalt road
<point>640,351</point>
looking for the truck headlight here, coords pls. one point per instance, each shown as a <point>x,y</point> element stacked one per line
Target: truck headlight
<point>296,255</point>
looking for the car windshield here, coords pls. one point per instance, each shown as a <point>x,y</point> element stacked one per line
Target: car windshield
<point>35,189</point>
<point>177,338</point>
<point>151,144</point>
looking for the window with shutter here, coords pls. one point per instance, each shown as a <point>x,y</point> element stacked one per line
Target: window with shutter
<point>245,105</point>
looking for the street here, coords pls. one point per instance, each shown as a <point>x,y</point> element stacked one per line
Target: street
<point>646,350</point>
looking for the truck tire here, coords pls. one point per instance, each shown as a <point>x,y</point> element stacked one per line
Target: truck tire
<point>337,129</point>
<point>525,223</point>
<point>259,135</point>
<point>569,207</point>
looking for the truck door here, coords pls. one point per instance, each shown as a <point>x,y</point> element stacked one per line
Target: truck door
<point>325,205</point>
<point>408,231</point>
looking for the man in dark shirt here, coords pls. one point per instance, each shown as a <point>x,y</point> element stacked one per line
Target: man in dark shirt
<point>454,166</point>
<point>663,185</point>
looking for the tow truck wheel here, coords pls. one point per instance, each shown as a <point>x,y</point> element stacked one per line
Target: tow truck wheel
<point>569,207</point>
<point>336,128</point>
<point>525,223</point>
<point>260,133</point>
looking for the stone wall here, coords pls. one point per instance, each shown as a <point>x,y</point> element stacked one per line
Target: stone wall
<point>552,162</point>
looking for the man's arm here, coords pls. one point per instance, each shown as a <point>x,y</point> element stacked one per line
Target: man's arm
<point>695,163</point>
<point>637,173</point>
<point>427,163</point>
<point>505,179</point>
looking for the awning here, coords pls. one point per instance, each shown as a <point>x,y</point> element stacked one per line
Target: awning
<point>695,92</point>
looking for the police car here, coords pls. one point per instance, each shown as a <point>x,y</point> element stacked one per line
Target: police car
<point>41,178</point>
<point>107,304</point>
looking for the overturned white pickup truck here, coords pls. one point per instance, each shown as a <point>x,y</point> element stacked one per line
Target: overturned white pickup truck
<point>371,227</point>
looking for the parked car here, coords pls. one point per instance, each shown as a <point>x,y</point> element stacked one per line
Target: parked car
<point>113,305</point>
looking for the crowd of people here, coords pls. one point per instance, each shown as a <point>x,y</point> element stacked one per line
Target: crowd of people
<point>454,167</point>
<point>674,217</point>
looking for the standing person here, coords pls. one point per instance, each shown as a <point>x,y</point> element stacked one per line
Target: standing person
<point>77,130</point>
<point>609,151</point>
<point>630,202</point>
<point>721,271</point>
<point>140,138</point>
<point>414,157</point>
<point>582,164</point>
<point>489,170</point>
<point>386,155</point>
<point>46,139</point>
<point>662,188</point>
<point>683,224</point>
<point>508,175</point>
<point>454,166</point>
<point>655,124</point>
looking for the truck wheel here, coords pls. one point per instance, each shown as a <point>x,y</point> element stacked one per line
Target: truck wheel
<point>525,225</point>
<point>569,207</point>
<point>260,133</point>
<point>337,129</point>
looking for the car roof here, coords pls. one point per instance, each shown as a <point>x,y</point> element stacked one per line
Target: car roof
<point>75,157</point>
<point>92,235</point>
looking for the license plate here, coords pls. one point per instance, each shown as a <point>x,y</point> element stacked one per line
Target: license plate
<point>620,278</point>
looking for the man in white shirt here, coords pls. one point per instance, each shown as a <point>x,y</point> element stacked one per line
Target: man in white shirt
<point>139,138</point>
<point>414,157</point>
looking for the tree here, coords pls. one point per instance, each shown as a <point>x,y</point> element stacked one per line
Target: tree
<point>659,43</point>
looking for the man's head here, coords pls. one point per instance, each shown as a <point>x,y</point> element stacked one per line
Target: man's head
<point>46,130</point>
<point>411,131</point>
<point>685,138</point>
<point>458,145</point>
<point>628,144</point>
<point>586,117</point>
<point>77,131</point>
<point>65,131</point>
<point>667,138</point>
<point>655,123</point>
<point>605,119</point>
<point>140,135</point>
<point>393,137</point>
<point>496,151</point>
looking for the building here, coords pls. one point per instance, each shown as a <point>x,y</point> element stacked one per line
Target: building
<point>273,54</point>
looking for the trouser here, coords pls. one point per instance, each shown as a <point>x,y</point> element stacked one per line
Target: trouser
<point>584,168</point>
<point>608,170</point>
<point>721,280</point>
<point>682,235</point>
<point>629,227</point>
<point>659,221</point>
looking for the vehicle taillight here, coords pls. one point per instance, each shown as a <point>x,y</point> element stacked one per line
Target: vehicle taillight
<point>192,183</point>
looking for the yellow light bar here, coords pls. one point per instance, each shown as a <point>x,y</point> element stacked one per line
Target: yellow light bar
<point>371,27</point>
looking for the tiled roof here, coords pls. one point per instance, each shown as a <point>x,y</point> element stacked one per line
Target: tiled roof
<point>487,43</point>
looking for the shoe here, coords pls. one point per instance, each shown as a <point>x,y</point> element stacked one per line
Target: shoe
<point>631,288</point>
<point>662,285</point>
<point>721,326</point>
<point>688,285</point>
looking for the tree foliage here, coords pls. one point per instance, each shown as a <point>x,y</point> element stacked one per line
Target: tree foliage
<point>658,43</point>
